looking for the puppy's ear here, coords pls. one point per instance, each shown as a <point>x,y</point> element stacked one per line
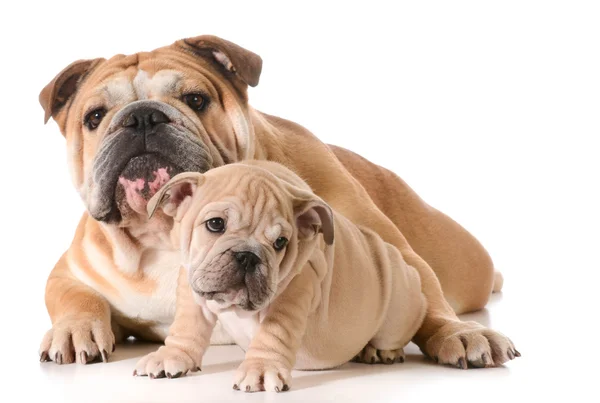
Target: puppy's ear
<point>171,196</point>
<point>233,58</point>
<point>314,216</point>
<point>55,95</point>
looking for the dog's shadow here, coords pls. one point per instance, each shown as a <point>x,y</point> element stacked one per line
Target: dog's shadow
<point>415,360</point>
<point>311,379</point>
<point>132,348</point>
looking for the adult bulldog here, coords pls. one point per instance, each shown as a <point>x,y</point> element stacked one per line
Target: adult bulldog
<point>134,121</point>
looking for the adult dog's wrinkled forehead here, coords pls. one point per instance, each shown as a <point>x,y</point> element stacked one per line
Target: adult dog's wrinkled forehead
<point>219,60</point>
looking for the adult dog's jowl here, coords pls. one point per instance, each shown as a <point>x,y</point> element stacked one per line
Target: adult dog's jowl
<point>132,122</point>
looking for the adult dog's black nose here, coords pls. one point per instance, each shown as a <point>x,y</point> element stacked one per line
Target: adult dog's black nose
<point>145,119</point>
<point>247,261</point>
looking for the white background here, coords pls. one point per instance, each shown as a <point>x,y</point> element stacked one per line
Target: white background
<point>489,110</point>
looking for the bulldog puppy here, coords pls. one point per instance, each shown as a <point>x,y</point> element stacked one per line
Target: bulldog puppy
<point>295,283</point>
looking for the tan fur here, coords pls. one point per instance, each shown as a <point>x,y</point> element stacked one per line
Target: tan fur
<point>143,259</point>
<point>330,304</point>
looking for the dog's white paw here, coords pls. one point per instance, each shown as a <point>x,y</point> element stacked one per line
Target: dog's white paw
<point>464,344</point>
<point>371,355</point>
<point>256,375</point>
<point>169,362</point>
<point>81,339</point>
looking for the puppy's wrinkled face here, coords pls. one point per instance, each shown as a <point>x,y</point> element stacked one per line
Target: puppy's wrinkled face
<point>239,240</point>
<point>240,231</point>
<point>133,122</point>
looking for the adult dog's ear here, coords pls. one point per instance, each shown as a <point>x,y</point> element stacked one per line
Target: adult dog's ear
<point>314,216</point>
<point>233,58</point>
<point>57,93</point>
<point>173,194</point>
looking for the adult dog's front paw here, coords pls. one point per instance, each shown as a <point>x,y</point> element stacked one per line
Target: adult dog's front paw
<point>167,361</point>
<point>464,344</point>
<point>81,339</point>
<point>254,375</point>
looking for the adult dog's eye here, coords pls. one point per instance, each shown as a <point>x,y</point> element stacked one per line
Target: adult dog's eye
<point>215,225</point>
<point>195,101</point>
<point>92,120</point>
<point>280,243</point>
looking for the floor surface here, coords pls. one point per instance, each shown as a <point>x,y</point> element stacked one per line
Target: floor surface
<point>418,379</point>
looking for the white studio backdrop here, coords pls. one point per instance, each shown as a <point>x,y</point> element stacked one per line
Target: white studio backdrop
<point>489,110</point>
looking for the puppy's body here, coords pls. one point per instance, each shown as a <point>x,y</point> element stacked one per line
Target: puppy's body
<point>328,297</point>
<point>364,292</point>
<point>369,295</point>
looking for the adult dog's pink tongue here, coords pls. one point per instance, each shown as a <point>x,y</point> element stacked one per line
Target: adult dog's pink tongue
<point>139,191</point>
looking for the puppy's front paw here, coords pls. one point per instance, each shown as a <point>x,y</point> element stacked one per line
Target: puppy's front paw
<point>468,343</point>
<point>81,339</point>
<point>371,355</point>
<point>255,375</point>
<point>167,361</point>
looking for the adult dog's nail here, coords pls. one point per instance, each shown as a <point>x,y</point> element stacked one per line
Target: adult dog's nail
<point>161,374</point>
<point>485,360</point>
<point>151,375</point>
<point>247,388</point>
<point>285,387</point>
<point>517,354</point>
<point>461,363</point>
<point>114,347</point>
<point>277,389</point>
<point>83,357</point>
<point>389,361</point>
<point>44,356</point>
<point>135,372</point>
<point>104,356</point>
<point>401,359</point>
<point>236,387</point>
<point>58,358</point>
<point>177,375</point>
<point>372,360</point>
<point>510,354</point>
<point>436,359</point>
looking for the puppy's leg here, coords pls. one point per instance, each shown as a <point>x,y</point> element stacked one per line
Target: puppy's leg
<point>371,355</point>
<point>405,313</point>
<point>81,325</point>
<point>272,352</point>
<point>188,339</point>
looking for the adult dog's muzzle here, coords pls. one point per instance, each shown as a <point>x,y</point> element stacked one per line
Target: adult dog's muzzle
<point>146,144</point>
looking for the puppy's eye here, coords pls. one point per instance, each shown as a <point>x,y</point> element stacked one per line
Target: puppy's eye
<point>215,225</point>
<point>280,243</point>
<point>93,119</point>
<point>195,101</point>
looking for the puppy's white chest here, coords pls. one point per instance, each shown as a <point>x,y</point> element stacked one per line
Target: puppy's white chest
<point>240,326</point>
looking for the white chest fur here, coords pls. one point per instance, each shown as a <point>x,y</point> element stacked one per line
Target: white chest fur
<point>240,325</point>
<point>147,299</point>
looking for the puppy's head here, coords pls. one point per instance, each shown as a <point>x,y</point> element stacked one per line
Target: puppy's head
<point>243,232</point>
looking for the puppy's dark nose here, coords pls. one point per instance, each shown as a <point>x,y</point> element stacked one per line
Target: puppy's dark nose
<point>247,261</point>
<point>145,119</point>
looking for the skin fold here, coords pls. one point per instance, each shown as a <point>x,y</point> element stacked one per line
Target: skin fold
<point>133,122</point>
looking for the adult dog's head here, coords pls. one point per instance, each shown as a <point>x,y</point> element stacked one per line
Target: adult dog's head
<point>133,122</point>
<point>243,230</point>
